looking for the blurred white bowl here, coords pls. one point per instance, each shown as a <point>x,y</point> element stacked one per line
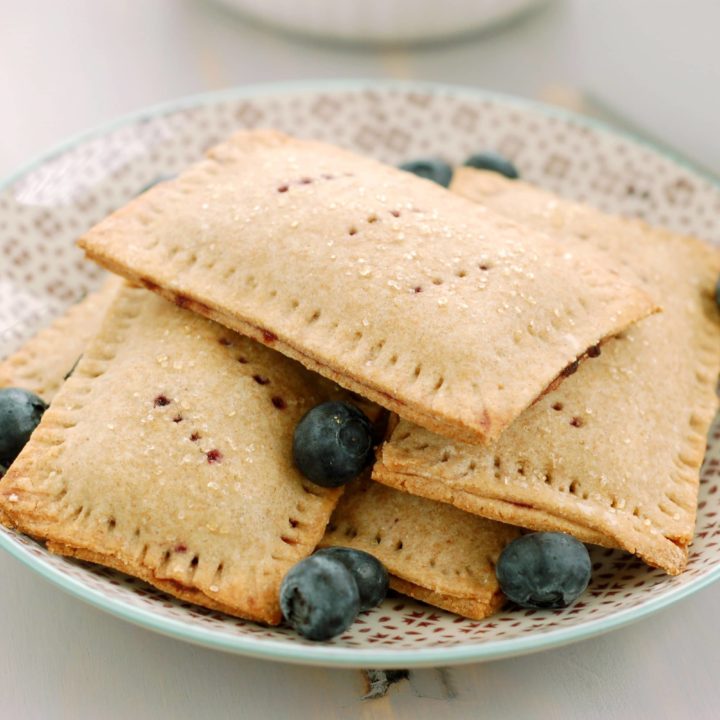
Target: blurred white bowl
<point>381,21</point>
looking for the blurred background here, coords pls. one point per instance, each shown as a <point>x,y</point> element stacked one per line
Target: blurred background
<point>651,66</point>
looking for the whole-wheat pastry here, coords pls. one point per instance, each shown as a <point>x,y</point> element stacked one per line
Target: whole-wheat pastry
<point>612,456</point>
<point>433,551</point>
<point>42,364</point>
<point>167,455</point>
<point>453,316</point>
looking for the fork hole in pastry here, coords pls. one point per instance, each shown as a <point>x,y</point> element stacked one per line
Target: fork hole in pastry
<point>417,289</point>
<point>372,218</point>
<point>437,281</point>
<point>214,456</point>
<point>352,231</point>
<point>283,188</point>
<point>417,370</point>
<point>242,360</point>
<point>177,419</point>
<point>314,317</point>
<point>461,273</point>
<point>194,437</point>
<point>161,401</point>
<point>395,213</point>
<point>260,380</point>
<point>112,524</point>
<point>293,522</point>
<point>194,562</point>
<point>484,266</point>
<point>399,545</point>
<point>378,538</point>
<point>577,422</point>
<point>350,533</point>
<point>278,402</point>
<point>557,406</point>
<point>445,456</point>
<point>393,359</point>
<point>288,540</point>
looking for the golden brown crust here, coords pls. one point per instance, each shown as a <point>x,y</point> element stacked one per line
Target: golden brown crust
<point>387,284</point>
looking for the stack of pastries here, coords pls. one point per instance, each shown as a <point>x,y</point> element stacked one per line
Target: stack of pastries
<point>505,360</point>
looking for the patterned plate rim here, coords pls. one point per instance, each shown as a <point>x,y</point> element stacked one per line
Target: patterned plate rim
<point>324,655</point>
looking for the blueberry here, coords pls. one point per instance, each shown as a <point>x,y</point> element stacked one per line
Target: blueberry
<point>332,444</point>
<point>431,169</point>
<point>319,597</point>
<point>493,161</point>
<point>544,570</point>
<point>369,573</point>
<point>20,413</point>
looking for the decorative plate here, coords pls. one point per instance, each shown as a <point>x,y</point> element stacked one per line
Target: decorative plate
<point>45,206</point>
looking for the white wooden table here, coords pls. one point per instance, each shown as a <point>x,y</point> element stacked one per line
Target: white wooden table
<point>67,66</point>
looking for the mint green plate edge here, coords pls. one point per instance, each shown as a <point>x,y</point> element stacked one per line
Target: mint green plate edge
<point>326,655</point>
